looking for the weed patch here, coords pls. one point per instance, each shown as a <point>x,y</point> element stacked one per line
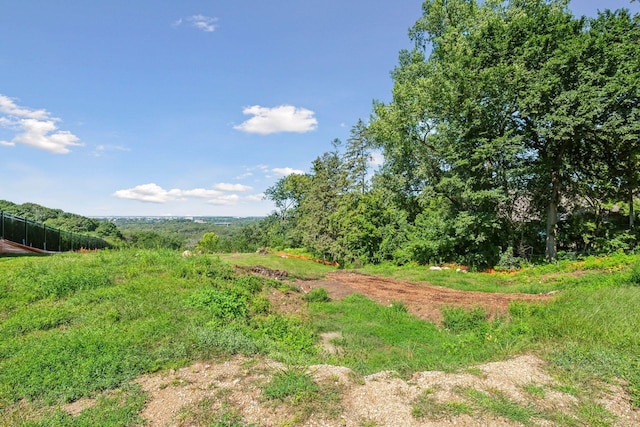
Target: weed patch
<point>317,295</point>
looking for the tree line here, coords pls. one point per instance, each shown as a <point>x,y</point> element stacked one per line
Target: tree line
<point>62,220</point>
<point>513,132</point>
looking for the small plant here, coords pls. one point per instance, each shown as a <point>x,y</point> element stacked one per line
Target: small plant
<point>534,390</point>
<point>317,295</point>
<point>635,275</point>
<point>398,307</point>
<point>291,384</point>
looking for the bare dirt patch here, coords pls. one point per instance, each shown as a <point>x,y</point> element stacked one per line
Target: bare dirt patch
<point>381,399</point>
<point>422,300</point>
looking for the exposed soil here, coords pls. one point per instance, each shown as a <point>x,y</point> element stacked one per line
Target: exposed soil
<point>422,300</point>
<point>382,399</point>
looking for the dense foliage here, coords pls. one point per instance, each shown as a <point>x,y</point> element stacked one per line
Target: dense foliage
<point>235,234</point>
<point>513,132</point>
<point>66,221</point>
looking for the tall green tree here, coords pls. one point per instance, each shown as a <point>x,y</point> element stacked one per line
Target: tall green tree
<point>327,186</point>
<point>612,66</point>
<point>357,157</point>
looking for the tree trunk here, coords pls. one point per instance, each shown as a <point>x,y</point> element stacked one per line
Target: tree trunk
<point>552,217</point>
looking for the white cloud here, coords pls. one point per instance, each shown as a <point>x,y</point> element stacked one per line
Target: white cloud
<point>8,106</point>
<point>201,22</point>
<point>35,128</point>
<point>285,118</point>
<point>149,193</point>
<point>200,192</point>
<point>231,187</point>
<point>227,200</point>
<point>244,175</point>
<point>101,149</point>
<point>155,194</point>
<point>255,197</point>
<point>286,171</point>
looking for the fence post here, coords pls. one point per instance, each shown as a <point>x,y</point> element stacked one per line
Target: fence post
<point>24,241</point>
<point>2,225</point>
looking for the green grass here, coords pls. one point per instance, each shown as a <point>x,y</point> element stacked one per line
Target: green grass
<point>115,315</point>
<point>85,325</point>
<point>292,384</point>
<point>376,338</point>
<point>592,271</point>
<point>589,330</point>
<point>500,405</point>
<point>295,387</point>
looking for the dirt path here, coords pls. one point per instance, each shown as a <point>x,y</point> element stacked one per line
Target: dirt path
<point>422,300</point>
<point>231,390</point>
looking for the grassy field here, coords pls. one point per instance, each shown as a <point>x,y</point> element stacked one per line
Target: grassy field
<point>77,325</point>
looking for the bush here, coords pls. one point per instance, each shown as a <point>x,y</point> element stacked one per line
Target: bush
<point>208,243</point>
<point>635,275</point>
<point>509,262</point>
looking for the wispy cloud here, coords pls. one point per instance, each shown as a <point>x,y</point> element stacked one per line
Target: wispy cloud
<point>35,128</point>
<point>255,197</point>
<point>244,175</point>
<point>102,149</point>
<point>231,187</point>
<point>286,171</point>
<point>285,118</point>
<point>226,200</point>
<point>201,22</point>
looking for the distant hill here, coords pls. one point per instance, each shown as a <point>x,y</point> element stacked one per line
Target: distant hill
<point>63,220</point>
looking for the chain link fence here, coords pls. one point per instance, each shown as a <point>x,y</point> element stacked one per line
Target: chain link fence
<point>40,236</point>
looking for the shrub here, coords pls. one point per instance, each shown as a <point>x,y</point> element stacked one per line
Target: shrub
<point>635,275</point>
<point>208,243</point>
<point>508,261</point>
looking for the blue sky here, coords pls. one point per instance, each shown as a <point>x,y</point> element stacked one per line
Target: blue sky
<point>162,107</point>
